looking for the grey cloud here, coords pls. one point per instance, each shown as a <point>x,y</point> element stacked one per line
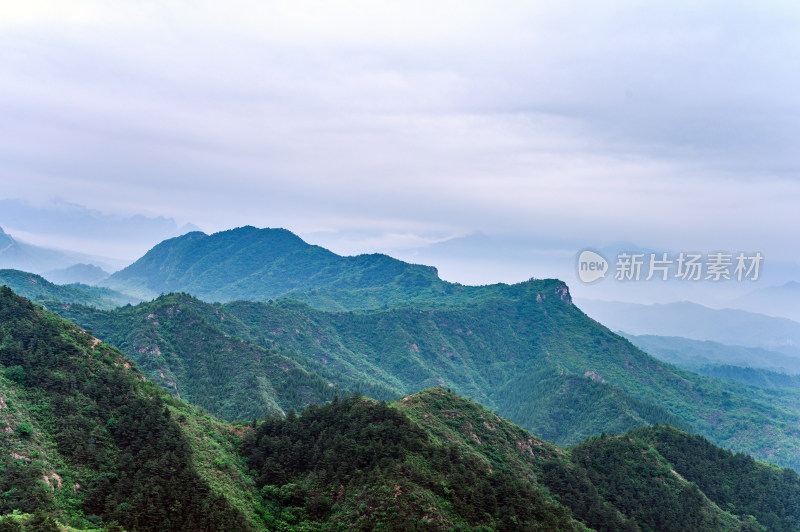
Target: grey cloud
<point>658,122</point>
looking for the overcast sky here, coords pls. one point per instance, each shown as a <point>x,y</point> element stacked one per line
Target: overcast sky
<point>383,125</point>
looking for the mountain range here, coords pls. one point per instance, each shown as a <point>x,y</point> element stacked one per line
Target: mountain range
<point>783,300</point>
<point>293,388</point>
<point>89,443</point>
<point>696,322</point>
<point>537,360</point>
<point>697,354</point>
<point>263,264</point>
<point>524,350</point>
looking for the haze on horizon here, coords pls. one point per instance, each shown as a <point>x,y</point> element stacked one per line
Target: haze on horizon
<point>394,127</point>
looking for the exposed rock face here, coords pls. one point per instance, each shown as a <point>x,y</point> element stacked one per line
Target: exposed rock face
<point>563,292</point>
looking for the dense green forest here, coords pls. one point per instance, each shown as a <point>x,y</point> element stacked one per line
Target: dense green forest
<point>735,481</point>
<point>89,443</point>
<point>175,342</point>
<point>536,359</point>
<point>87,439</point>
<point>365,465</point>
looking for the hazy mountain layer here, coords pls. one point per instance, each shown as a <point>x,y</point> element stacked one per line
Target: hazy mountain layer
<point>783,300</point>
<point>696,354</point>
<point>696,322</point>
<point>77,273</point>
<point>27,257</point>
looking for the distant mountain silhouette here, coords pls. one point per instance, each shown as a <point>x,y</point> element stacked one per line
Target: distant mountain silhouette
<point>77,273</point>
<point>27,257</point>
<point>783,300</point>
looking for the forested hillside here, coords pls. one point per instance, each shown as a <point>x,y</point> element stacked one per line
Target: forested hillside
<point>536,359</point>
<point>89,442</point>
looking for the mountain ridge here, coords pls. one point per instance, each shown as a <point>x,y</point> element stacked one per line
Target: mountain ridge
<point>695,354</point>
<point>697,322</point>
<point>537,360</point>
<point>262,264</point>
<point>38,289</point>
